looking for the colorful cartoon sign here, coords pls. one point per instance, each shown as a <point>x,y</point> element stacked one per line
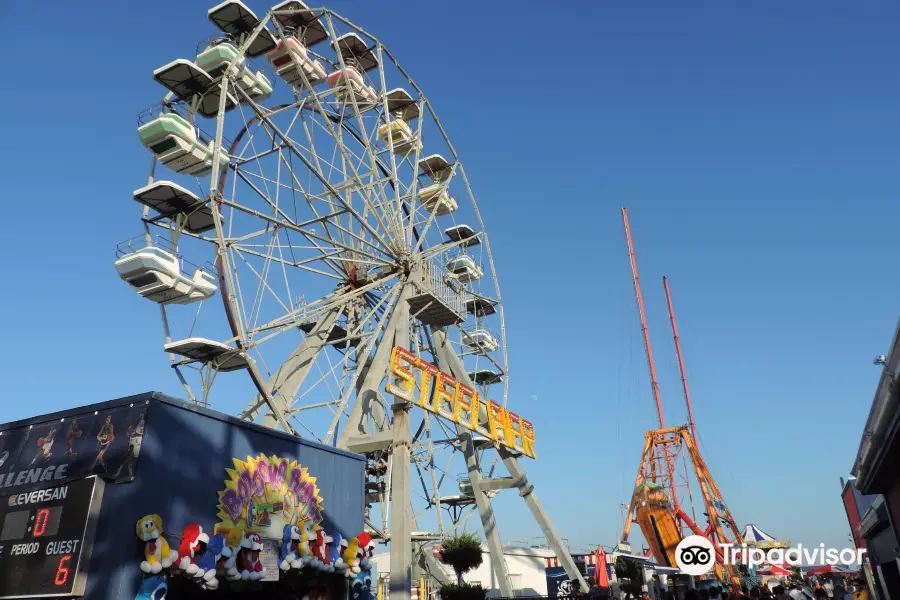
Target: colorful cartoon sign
<point>265,493</point>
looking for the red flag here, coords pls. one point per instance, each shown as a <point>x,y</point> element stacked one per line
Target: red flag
<point>601,577</point>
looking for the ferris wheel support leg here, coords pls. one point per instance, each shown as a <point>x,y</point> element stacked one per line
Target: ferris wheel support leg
<point>401,518</point>
<point>448,360</point>
<point>369,383</point>
<point>290,376</point>
<point>431,565</point>
<point>526,490</point>
<point>486,511</point>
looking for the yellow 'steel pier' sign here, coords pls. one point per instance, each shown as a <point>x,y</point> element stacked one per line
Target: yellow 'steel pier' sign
<point>458,402</point>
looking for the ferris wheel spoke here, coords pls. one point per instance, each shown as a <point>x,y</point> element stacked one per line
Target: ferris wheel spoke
<point>241,317</point>
<point>244,174</point>
<point>309,431</point>
<point>394,176</point>
<point>303,264</point>
<point>318,163</point>
<point>329,374</point>
<point>322,379</point>
<point>364,188</point>
<point>446,468</point>
<point>414,184</point>
<point>311,236</point>
<point>288,379</point>
<point>319,306</point>
<point>336,133</point>
<point>297,183</point>
<point>292,146</point>
<point>296,187</point>
<point>240,161</point>
<point>278,212</point>
<point>362,241</point>
<point>300,264</point>
<point>252,145</point>
<point>263,284</point>
<point>432,215</point>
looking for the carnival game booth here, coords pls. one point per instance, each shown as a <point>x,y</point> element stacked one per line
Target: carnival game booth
<point>148,496</point>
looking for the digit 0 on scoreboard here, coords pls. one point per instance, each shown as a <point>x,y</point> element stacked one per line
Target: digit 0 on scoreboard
<point>47,539</point>
<point>46,521</point>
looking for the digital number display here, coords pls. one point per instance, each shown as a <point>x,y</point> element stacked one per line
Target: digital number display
<point>45,539</point>
<point>31,523</point>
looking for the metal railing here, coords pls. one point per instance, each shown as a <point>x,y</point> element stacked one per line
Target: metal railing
<point>139,242</point>
<point>470,341</point>
<point>435,281</point>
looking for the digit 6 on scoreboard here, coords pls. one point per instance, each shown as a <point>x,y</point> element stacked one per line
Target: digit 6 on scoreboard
<point>62,570</point>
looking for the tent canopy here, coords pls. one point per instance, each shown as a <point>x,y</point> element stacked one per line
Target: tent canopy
<point>830,570</point>
<point>752,534</point>
<point>776,571</point>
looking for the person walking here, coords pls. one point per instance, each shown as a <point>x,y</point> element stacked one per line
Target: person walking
<point>840,591</point>
<point>780,593</point>
<point>829,589</point>
<point>798,593</point>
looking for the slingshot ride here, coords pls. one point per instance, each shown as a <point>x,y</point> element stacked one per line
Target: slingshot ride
<point>296,155</point>
<point>662,500</point>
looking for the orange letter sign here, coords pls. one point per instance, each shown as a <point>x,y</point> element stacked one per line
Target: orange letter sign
<point>405,382</point>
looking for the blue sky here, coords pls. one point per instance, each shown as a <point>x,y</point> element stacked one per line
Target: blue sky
<point>755,145</point>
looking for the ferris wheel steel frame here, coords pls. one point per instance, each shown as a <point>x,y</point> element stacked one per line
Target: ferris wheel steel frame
<point>372,426</point>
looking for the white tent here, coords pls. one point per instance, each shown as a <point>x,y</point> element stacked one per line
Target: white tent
<point>753,534</point>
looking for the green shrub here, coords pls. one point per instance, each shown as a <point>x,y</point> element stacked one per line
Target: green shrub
<point>463,553</point>
<point>465,591</point>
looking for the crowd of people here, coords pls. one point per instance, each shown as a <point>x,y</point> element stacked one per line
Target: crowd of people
<point>830,589</point>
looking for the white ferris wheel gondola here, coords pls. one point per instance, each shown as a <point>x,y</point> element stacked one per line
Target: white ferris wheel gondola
<point>156,275</point>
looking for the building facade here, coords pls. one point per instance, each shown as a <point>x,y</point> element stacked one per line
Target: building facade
<point>872,495</point>
<point>94,479</point>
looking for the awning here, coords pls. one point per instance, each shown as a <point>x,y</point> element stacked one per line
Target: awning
<point>829,570</point>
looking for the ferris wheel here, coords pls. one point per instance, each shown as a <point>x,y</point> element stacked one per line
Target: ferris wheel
<point>301,176</point>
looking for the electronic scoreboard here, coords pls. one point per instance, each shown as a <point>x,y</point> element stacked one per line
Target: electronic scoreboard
<point>46,537</point>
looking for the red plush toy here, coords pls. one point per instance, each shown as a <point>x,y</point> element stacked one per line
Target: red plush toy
<point>193,539</point>
<point>366,550</point>
<point>249,564</point>
<point>320,547</point>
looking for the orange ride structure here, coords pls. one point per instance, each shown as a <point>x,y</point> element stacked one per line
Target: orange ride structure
<point>672,469</point>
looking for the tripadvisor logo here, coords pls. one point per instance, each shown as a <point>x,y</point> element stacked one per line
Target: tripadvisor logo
<point>696,555</point>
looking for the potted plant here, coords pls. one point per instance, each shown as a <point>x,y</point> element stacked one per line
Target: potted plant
<point>462,553</point>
